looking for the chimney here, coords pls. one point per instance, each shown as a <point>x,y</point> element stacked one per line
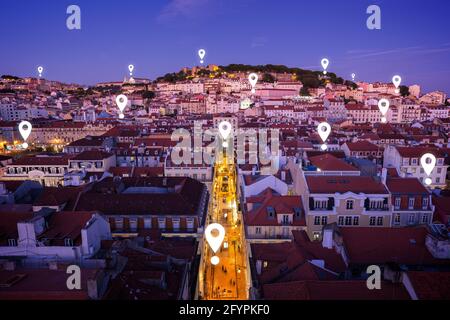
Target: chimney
<point>327,238</point>
<point>383,175</point>
<point>53,265</point>
<point>283,175</point>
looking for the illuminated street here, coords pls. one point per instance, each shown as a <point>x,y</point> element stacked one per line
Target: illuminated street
<point>228,279</point>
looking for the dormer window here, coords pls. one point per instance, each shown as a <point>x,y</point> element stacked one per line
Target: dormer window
<point>425,203</point>
<point>270,212</point>
<point>411,203</point>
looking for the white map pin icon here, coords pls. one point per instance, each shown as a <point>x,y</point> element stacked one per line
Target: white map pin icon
<point>353,76</point>
<point>215,234</point>
<point>324,130</point>
<point>253,79</point>
<point>325,62</point>
<point>40,70</point>
<point>121,101</point>
<point>383,105</point>
<point>25,131</point>
<point>428,162</point>
<point>201,54</point>
<point>396,80</point>
<point>131,68</point>
<point>225,129</point>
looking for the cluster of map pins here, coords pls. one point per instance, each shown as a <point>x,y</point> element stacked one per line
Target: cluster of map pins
<point>215,234</point>
<point>428,162</point>
<point>324,130</point>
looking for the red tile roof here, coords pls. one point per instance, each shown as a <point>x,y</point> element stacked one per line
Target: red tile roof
<point>43,161</point>
<point>406,186</point>
<point>29,285</point>
<point>430,285</point>
<point>343,184</point>
<point>328,162</point>
<point>362,145</point>
<point>333,290</point>
<point>367,245</point>
<point>92,155</point>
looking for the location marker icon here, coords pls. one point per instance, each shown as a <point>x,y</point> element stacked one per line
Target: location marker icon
<point>324,130</point>
<point>131,68</point>
<point>428,162</point>
<point>397,80</point>
<point>202,54</point>
<point>40,70</point>
<point>225,131</point>
<point>383,105</point>
<point>121,101</point>
<point>353,76</point>
<point>25,131</point>
<point>253,79</point>
<point>215,234</point>
<point>325,62</point>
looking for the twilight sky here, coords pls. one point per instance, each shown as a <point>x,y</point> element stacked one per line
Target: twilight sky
<point>160,36</point>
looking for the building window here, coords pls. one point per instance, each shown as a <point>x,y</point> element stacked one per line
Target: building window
<point>349,204</point>
<point>320,204</point>
<point>372,221</point>
<point>341,220</point>
<point>147,223</point>
<point>285,219</point>
<point>425,219</point>
<point>398,201</point>
<point>162,223</point>
<point>316,235</point>
<point>324,220</point>
<point>397,218</point>
<point>133,224</point>
<point>438,180</point>
<point>411,203</point>
<point>316,220</point>
<point>356,221</point>
<point>379,221</point>
<point>348,221</point>
<point>425,203</point>
<point>190,223</point>
<point>176,224</point>
<point>411,218</point>
<point>12,242</point>
<point>68,242</point>
<point>258,230</point>
<point>118,223</point>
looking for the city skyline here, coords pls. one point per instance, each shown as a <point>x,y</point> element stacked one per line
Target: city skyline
<point>164,36</point>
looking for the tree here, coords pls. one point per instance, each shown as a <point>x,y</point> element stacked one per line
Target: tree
<point>304,91</point>
<point>267,77</point>
<point>148,95</point>
<point>404,91</point>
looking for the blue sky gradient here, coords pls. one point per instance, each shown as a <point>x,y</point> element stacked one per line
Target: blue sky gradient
<point>160,36</point>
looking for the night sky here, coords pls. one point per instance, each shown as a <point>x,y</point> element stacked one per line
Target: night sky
<point>162,36</point>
